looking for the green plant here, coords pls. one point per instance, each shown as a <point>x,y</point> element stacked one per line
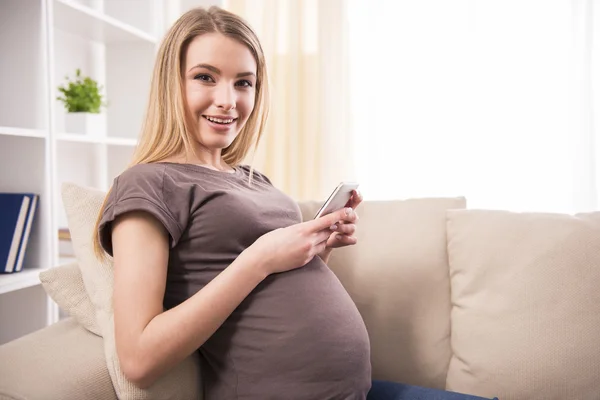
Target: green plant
<point>82,94</point>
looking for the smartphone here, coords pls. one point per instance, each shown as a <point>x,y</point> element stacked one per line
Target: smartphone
<point>337,199</point>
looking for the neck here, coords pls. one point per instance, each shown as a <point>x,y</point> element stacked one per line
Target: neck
<point>212,161</point>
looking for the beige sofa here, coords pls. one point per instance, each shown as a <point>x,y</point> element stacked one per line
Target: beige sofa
<point>490,303</point>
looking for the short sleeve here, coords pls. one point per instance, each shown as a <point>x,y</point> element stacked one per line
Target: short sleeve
<point>140,188</point>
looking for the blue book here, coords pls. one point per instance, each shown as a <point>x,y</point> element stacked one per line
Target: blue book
<point>13,216</point>
<point>25,237</point>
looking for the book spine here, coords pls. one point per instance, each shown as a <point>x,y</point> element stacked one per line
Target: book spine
<point>25,240</point>
<point>16,239</point>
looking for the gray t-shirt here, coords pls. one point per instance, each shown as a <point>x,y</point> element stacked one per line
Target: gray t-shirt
<point>298,335</point>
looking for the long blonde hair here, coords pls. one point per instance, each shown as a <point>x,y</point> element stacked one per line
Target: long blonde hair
<point>166,131</point>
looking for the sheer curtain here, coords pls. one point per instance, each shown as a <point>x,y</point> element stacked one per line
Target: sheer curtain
<point>496,100</point>
<point>304,151</point>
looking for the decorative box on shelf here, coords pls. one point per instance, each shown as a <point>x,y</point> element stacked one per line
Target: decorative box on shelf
<point>65,246</point>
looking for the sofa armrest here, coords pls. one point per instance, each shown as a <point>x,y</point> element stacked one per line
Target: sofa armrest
<point>62,361</point>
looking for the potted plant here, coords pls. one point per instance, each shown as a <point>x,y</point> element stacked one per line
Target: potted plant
<point>83,100</point>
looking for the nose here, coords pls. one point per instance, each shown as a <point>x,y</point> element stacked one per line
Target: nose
<point>225,97</point>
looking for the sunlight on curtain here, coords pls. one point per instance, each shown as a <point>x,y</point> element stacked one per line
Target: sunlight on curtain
<point>488,99</point>
<point>303,151</point>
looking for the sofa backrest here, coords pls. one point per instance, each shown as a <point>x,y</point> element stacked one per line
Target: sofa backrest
<point>397,275</point>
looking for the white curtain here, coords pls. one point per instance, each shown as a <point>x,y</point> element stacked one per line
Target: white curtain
<point>496,100</point>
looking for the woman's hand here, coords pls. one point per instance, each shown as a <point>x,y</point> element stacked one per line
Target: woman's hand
<point>346,228</point>
<point>292,247</point>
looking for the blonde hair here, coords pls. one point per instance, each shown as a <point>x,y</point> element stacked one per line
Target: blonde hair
<point>166,131</point>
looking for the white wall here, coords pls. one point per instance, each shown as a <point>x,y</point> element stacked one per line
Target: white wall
<point>22,67</point>
<point>175,8</point>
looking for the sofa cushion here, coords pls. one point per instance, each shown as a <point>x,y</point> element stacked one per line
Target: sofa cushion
<point>397,275</point>
<point>64,285</point>
<point>63,361</point>
<point>525,304</point>
<point>82,206</point>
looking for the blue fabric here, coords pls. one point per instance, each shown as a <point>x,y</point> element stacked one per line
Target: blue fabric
<point>383,390</point>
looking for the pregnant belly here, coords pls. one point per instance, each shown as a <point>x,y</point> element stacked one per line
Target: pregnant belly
<point>296,327</point>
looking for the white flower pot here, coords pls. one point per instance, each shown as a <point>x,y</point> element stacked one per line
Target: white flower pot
<point>84,123</point>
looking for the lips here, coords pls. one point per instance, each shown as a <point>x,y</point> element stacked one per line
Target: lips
<point>221,120</point>
<point>220,124</point>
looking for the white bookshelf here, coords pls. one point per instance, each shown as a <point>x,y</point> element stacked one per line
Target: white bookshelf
<point>27,278</point>
<point>117,141</point>
<point>42,41</point>
<point>94,22</point>
<point>23,132</point>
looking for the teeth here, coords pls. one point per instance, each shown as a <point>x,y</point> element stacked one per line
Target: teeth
<point>220,120</point>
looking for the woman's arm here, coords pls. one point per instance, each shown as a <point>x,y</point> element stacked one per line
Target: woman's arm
<point>149,341</point>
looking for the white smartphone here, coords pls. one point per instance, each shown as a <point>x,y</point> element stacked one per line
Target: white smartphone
<point>337,199</point>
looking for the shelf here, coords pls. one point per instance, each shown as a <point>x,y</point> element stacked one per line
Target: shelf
<point>94,25</point>
<point>115,141</point>
<point>79,138</point>
<point>19,280</point>
<point>68,137</point>
<point>23,132</point>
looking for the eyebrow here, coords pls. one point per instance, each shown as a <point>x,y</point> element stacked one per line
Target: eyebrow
<point>218,71</point>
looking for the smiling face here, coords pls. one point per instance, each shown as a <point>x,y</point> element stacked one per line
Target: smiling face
<point>219,81</point>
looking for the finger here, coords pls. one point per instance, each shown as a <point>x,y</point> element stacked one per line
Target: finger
<point>321,247</point>
<point>328,220</point>
<point>346,229</point>
<point>352,217</point>
<point>323,236</point>
<point>355,200</point>
<point>342,240</point>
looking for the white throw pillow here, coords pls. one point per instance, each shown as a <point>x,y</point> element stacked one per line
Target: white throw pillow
<point>82,206</point>
<point>64,285</point>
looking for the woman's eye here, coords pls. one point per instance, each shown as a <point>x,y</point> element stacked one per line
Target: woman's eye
<point>244,83</point>
<point>204,77</point>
